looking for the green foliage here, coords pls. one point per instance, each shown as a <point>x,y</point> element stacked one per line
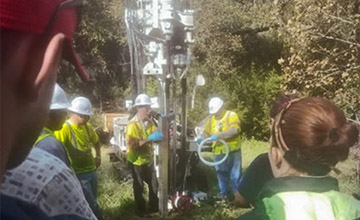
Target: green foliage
<point>248,93</point>
<point>116,195</point>
<point>238,56</point>
<point>323,41</point>
<point>101,43</point>
<point>248,51</point>
<point>97,120</point>
<point>228,37</point>
<point>152,86</point>
<point>117,202</point>
<point>252,92</point>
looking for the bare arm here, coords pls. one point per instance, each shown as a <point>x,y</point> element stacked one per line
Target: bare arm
<point>143,142</point>
<point>97,149</point>
<point>228,134</point>
<point>137,144</point>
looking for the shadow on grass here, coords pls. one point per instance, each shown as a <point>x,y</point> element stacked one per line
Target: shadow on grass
<point>124,210</point>
<point>117,202</point>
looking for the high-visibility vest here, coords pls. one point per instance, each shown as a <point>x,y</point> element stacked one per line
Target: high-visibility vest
<point>44,134</point>
<point>137,131</point>
<point>78,141</point>
<point>48,133</point>
<point>213,126</point>
<point>302,205</point>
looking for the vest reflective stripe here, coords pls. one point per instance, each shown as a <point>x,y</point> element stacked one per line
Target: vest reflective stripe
<point>42,137</point>
<point>81,160</point>
<point>134,133</point>
<point>233,143</point>
<point>331,205</point>
<point>48,133</point>
<point>74,142</point>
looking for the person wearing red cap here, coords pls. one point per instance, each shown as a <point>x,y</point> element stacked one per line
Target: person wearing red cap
<point>34,36</point>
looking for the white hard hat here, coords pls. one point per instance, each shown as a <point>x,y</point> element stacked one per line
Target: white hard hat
<point>59,100</point>
<point>215,105</point>
<point>142,99</point>
<point>81,105</point>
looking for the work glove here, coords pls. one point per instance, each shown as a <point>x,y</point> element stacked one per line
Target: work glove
<point>199,140</point>
<point>156,136</point>
<point>214,138</point>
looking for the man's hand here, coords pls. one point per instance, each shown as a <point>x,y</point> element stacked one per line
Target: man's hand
<point>199,140</point>
<point>156,136</point>
<point>97,161</point>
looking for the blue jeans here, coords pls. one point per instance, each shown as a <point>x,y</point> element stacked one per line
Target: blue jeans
<point>89,185</point>
<point>232,166</point>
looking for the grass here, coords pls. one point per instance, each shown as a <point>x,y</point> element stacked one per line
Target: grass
<point>116,197</point>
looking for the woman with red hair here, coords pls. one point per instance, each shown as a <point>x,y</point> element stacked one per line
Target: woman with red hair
<point>308,138</point>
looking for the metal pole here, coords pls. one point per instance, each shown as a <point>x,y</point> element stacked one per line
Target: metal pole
<point>164,144</point>
<point>163,168</point>
<point>183,126</point>
<point>174,143</point>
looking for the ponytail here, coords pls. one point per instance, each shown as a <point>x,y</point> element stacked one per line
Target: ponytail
<point>341,139</point>
<point>316,134</point>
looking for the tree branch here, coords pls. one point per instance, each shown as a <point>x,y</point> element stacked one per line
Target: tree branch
<point>248,30</point>
<point>338,18</point>
<point>340,71</point>
<point>355,121</point>
<point>337,39</point>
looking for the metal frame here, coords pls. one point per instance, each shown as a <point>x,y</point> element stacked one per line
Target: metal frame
<point>159,35</point>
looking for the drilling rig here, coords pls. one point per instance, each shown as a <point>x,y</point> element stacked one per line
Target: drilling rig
<point>160,33</point>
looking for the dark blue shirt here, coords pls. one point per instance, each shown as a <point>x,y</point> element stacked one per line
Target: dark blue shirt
<point>13,208</point>
<point>51,145</point>
<point>256,175</point>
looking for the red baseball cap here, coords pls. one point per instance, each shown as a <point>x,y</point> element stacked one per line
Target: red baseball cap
<point>37,16</point>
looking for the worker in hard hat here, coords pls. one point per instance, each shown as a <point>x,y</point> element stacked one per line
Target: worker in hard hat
<point>140,135</point>
<point>35,36</point>
<point>224,124</point>
<point>78,137</point>
<point>57,116</point>
<point>44,179</point>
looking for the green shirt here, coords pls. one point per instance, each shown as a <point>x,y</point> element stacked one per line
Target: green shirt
<point>78,140</point>
<point>137,131</point>
<point>303,198</point>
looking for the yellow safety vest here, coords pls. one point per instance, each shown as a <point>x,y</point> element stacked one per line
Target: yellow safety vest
<point>44,135</point>
<point>214,126</point>
<point>137,131</point>
<point>78,140</point>
<point>302,205</point>
<point>49,133</point>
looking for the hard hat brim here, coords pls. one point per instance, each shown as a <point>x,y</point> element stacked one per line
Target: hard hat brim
<point>73,110</point>
<point>59,106</point>
<point>138,105</point>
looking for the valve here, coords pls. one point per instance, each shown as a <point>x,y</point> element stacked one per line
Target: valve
<point>181,202</point>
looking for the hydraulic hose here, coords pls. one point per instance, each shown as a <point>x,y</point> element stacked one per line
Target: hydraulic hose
<point>206,162</point>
